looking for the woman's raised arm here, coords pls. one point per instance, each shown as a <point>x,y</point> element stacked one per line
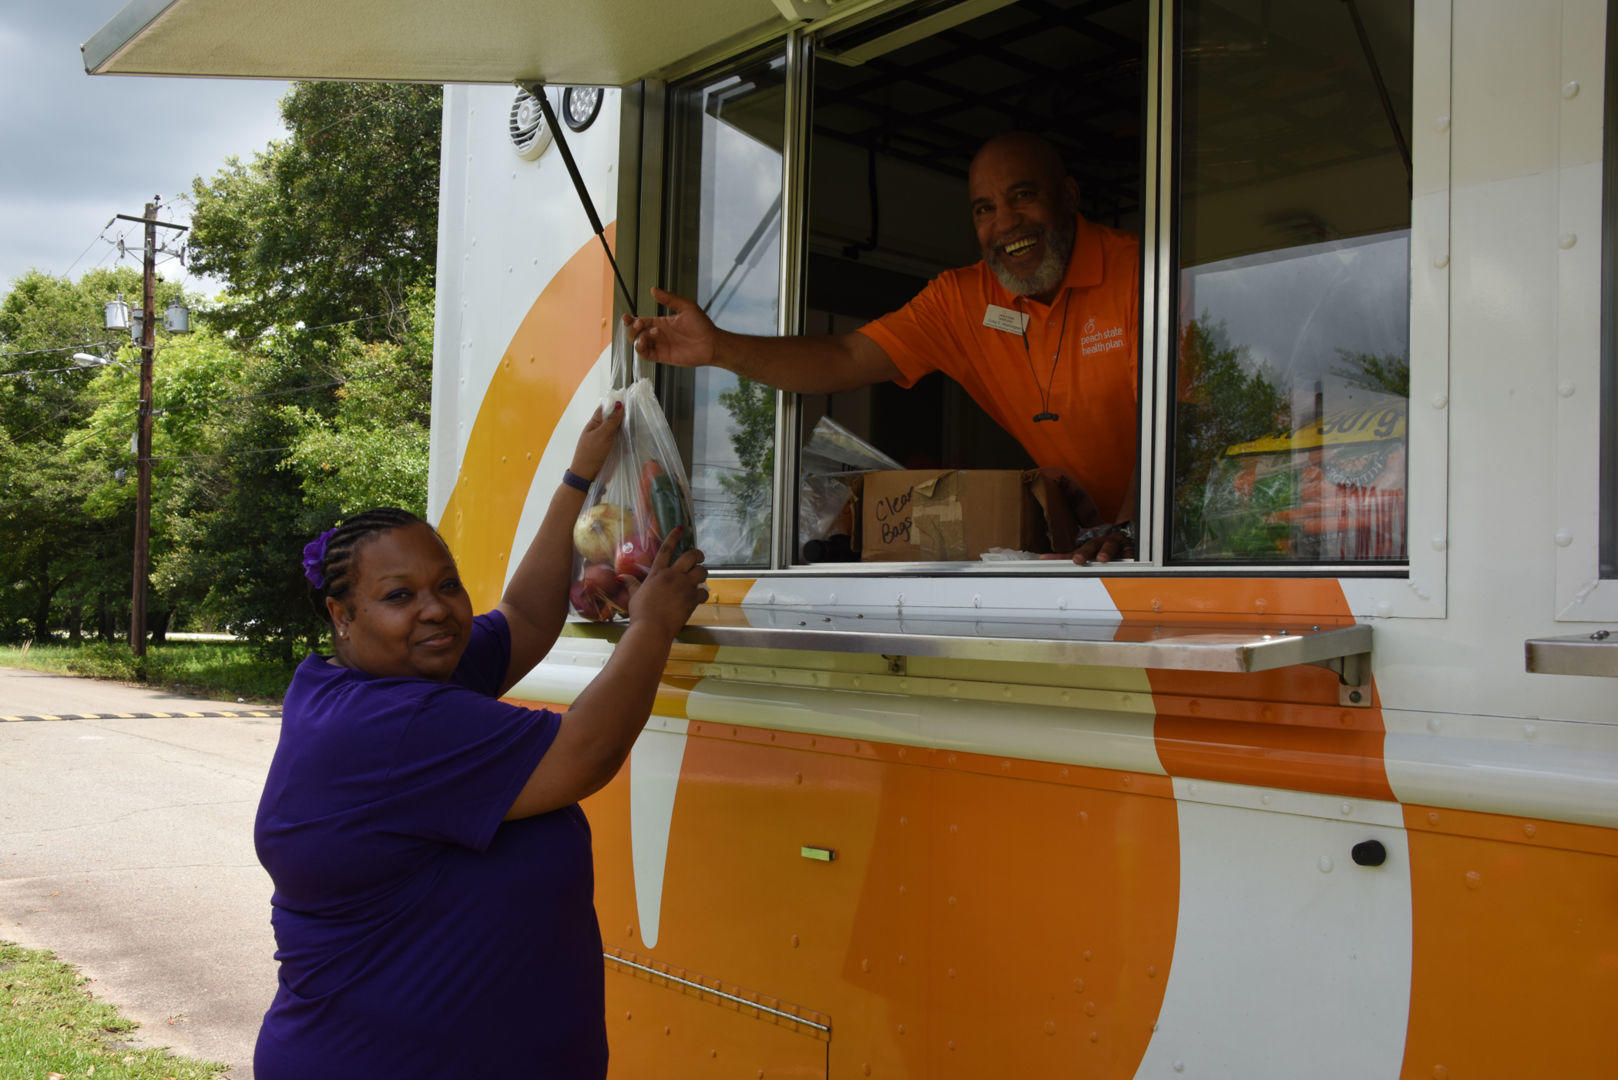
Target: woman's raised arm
<point>598,731</point>
<point>535,600</point>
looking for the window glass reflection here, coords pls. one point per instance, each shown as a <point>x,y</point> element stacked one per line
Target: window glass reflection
<point>1293,291</point>
<point>724,217</point>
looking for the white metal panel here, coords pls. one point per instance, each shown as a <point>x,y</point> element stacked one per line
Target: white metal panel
<point>564,673</point>
<point>1096,738</point>
<point>1510,431</point>
<point>1532,767</point>
<point>506,227</point>
<point>452,415</point>
<point>1289,959</point>
<point>1580,592</point>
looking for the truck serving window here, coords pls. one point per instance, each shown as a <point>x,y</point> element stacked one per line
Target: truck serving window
<point>899,108</point>
<point>1270,180</point>
<point>1292,231</point>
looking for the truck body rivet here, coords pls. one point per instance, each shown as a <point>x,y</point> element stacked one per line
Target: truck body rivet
<point>1563,537</point>
<point>1570,89</point>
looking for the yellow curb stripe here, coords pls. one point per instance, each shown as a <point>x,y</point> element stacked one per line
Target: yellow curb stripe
<point>137,716</point>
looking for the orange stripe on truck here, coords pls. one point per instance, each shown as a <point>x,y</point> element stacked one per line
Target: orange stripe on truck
<point>1282,729</point>
<point>1514,959</point>
<point>552,351</point>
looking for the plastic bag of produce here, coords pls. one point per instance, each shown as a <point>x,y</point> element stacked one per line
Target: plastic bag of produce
<point>640,496</point>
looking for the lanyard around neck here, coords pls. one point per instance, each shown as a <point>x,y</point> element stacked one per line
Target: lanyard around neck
<point>1056,357</point>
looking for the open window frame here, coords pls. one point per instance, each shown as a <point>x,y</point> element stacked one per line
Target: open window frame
<point>1416,589</point>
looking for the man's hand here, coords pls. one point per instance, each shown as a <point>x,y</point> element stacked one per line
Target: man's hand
<point>1104,543</point>
<point>686,338</point>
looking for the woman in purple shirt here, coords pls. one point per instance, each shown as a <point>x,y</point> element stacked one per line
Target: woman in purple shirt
<point>433,903</point>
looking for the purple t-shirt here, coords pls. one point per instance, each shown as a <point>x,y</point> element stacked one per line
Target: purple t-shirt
<point>418,934</point>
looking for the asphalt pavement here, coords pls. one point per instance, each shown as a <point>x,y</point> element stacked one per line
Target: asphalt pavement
<point>126,847</point>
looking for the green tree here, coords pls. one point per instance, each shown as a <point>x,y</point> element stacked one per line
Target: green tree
<point>60,546</point>
<point>336,222</point>
<point>372,450</point>
<point>752,436</point>
<point>326,242</point>
<point>1384,373</point>
<point>1227,400</point>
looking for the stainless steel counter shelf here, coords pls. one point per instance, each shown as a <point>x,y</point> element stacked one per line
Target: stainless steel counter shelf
<point>1593,653</point>
<point>1184,645</point>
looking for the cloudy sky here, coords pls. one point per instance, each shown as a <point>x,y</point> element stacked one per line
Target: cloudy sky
<point>75,150</point>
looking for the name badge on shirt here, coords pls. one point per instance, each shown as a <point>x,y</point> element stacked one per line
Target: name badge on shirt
<point>996,317</point>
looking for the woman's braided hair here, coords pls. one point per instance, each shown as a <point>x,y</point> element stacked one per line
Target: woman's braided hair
<point>337,567</point>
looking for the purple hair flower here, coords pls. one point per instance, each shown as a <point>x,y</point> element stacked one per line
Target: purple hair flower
<point>314,553</point>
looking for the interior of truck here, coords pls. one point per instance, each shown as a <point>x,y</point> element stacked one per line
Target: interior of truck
<point>899,107</point>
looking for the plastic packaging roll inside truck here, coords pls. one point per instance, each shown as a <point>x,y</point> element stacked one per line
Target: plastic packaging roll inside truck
<point>1324,784</point>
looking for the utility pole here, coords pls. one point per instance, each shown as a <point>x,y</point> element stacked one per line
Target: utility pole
<point>143,430</point>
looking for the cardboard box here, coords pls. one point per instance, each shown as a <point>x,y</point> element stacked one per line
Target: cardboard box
<point>947,515</point>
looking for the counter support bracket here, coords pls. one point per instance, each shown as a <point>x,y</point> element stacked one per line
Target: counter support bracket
<point>1353,683</point>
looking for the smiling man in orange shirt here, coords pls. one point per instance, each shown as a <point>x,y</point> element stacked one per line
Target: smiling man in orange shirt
<point>1042,332</point>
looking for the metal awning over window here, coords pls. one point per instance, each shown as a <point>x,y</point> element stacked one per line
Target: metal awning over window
<point>468,41</point>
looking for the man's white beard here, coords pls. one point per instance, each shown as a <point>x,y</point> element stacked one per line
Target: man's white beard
<point>1058,242</point>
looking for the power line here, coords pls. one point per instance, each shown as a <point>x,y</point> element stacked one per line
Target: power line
<point>53,348</point>
<point>59,413</point>
<point>233,453</point>
<point>373,103</point>
<point>95,344</point>
<point>102,235</point>
<point>47,371</point>
<point>160,409</point>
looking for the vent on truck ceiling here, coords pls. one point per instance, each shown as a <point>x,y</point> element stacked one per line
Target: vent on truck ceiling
<point>530,135</point>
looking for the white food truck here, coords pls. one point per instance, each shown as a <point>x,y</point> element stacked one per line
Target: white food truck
<point>1323,784</point>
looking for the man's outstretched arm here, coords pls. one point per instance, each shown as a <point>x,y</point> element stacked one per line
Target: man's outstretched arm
<point>815,364</point>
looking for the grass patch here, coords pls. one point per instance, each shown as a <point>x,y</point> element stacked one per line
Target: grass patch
<point>51,1026</point>
<point>224,670</point>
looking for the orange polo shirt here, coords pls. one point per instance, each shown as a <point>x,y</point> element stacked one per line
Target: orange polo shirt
<point>1092,330</point>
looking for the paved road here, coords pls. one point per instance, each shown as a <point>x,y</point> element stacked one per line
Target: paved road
<point>126,847</point>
